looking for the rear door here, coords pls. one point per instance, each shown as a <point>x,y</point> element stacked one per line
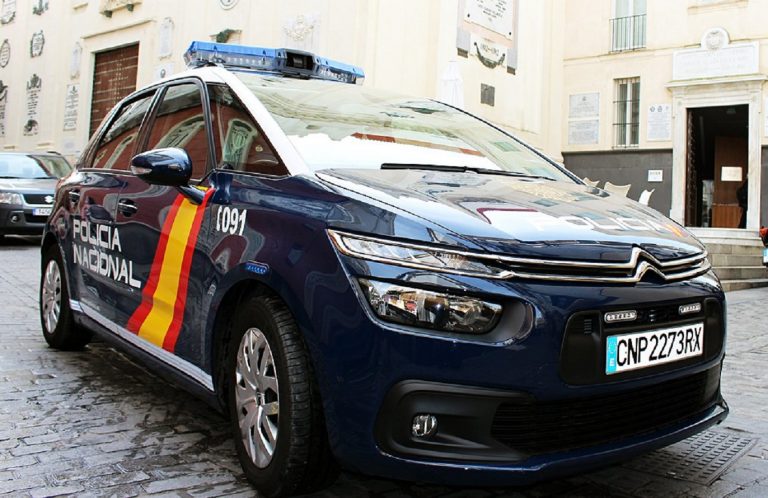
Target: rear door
<point>162,227</point>
<point>95,249</point>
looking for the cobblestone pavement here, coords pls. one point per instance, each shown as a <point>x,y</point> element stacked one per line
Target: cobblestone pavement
<point>94,423</point>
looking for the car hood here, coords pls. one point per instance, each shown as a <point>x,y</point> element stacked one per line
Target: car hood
<point>42,185</point>
<point>523,216</point>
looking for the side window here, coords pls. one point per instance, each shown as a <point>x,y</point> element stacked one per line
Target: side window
<point>116,146</point>
<point>240,144</point>
<point>180,122</point>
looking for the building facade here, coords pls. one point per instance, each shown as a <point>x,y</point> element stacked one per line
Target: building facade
<point>64,63</point>
<point>669,98</point>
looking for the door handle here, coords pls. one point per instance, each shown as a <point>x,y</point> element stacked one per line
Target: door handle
<point>74,196</point>
<point>127,207</point>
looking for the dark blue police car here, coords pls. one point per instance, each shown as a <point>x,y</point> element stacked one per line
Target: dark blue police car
<point>378,281</point>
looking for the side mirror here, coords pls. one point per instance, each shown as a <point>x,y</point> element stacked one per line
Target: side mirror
<point>171,167</point>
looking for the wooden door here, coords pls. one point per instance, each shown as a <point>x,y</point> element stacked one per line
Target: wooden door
<point>114,78</point>
<point>730,172</point>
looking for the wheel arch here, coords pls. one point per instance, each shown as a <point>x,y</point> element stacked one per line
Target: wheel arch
<point>226,305</point>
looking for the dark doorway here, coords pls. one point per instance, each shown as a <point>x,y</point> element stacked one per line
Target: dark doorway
<point>114,77</point>
<point>716,169</point>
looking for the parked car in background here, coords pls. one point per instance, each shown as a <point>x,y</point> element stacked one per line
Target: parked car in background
<point>27,185</point>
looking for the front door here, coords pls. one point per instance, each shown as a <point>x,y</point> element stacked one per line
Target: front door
<point>161,227</point>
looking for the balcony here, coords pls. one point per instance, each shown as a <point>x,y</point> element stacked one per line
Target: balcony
<point>627,33</point>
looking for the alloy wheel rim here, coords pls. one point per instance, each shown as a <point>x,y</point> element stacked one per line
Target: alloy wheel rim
<point>51,301</point>
<point>257,397</point>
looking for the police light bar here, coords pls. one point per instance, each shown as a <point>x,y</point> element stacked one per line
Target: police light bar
<point>284,61</point>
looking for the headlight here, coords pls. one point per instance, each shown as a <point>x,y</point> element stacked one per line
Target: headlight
<point>431,310</point>
<point>10,198</point>
<point>414,256</point>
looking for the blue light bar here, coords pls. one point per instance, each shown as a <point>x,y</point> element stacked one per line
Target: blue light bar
<point>274,60</point>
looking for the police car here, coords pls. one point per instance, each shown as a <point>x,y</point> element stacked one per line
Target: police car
<point>378,282</point>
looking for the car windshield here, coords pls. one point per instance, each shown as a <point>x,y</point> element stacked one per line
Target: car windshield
<point>33,166</point>
<point>334,125</point>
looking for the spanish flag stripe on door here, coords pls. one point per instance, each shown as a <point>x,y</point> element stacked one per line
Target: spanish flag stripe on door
<point>154,273</point>
<point>158,319</point>
<point>172,335</point>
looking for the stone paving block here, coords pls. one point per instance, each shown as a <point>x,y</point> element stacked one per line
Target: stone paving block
<point>759,491</point>
<point>55,491</point>
<point>186,482</point>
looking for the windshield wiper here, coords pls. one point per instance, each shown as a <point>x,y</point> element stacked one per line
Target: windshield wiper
<point>11,177</point>
<point>463,169</point>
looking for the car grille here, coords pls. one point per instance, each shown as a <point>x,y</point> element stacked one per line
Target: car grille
<point>633,270</point>
<point>537,427</point>
<point>37,198</point>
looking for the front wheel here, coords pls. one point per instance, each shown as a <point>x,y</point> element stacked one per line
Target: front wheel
<point>274,406</point>
<point>59,327</point>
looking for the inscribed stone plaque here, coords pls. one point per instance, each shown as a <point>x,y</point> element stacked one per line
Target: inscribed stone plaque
<point>659,122</point>
<point>36,44</point>
<point>583,132</point>
<point>71,106</point>
<point>166,38</point>
<point>3,104</point>
<point>8,11</point>
<point>495,15</point>
<point>33,101</point>
<point>5,53</point>
<point>584,105</point>
<point>730,60</point>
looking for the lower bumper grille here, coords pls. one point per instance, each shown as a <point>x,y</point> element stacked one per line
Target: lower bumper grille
<point>537,427</point>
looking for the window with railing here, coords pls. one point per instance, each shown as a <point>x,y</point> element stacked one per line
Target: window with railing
<point>626,122</point>
<point>628,25</point>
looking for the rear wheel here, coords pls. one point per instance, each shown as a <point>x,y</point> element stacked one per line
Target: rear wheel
<point>59,328</point>
<point>274,407</point>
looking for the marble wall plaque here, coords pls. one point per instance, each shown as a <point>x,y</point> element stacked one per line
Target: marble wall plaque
<point>165,47</point>
<point>36,44</point>
<point>71,107</point>
<point>584,105</point>
<point>3,104</point>
<point>583,132</point>
<point>40,7</point>
<point>728,60</point>
<point>5,53</point>
<point>74,61</point>
<point>659,122</point>
<point>34,85</point>
<point>7,11</point>
<point>495,15</point>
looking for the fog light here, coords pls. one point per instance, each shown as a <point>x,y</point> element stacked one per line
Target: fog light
<point>432,310</point>
<point>15,218</point>
<point>424,425</point>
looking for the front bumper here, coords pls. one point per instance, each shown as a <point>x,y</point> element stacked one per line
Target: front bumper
<point>367,371</point>
<point>21,220</point>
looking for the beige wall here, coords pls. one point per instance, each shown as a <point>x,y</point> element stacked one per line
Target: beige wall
<point>589,66</point>
<point>403,45</point>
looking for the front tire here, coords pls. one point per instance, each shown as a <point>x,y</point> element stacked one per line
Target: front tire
<point>59,327</point>
<point>274,407</point>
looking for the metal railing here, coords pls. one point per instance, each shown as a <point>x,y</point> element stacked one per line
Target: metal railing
<point>627,33</point>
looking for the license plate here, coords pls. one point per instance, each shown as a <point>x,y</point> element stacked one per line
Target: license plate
<point>654,347</point>
<point>41,212</point>
<point>765,256</point>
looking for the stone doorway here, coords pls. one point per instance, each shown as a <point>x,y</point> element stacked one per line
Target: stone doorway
<point>716,167</point>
